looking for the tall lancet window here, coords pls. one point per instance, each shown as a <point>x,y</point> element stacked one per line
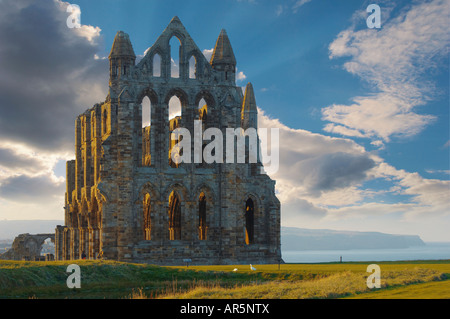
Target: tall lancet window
<point>202,217</point>
<point>249,221</point>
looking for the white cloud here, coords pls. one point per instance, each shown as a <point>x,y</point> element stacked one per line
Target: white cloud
<point>322,180</point>
<point>393,60</point>
<point>298,4</point>
<point>342,130</point>
<point>429,195</point>
<point>88,32</point>
<point>208,53</point>
<point>279,10</point>
<point>315,167</point>
<point>380,116</point>
<point>174,107</point>
<point>378,143</point>
<point>240,76</point>
<point>438,171</point>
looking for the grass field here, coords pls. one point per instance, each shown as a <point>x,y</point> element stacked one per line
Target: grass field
<point>110,279</point>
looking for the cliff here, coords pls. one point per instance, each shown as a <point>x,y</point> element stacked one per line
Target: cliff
<point>324,239</point>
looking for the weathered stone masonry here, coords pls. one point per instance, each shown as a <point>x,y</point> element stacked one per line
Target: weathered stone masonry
<point>125,199</point>
<point>28,247</point>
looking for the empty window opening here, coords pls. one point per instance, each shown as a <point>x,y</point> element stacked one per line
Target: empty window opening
<point>249,221</point>
<point>175,54</point>
<point>192,68</point>
<point>202,228</point>
<point>157,65</point>
<point>48,247</point>
<point>146,112</point>
<point>202,111</point>
<point>147,208</point>
<point>174,123</point>
<point>174,216</point>
<point>146,130</point>
<point>203,116</point>
<point>174,107</point>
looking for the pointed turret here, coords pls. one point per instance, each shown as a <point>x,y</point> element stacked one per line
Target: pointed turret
<point>122,46</point>
<point>249,102</point>
<point>223,53</point>
<point>223,57</point>
<point>121,57</point>
<point>249,112</point>
<point>175,19</point>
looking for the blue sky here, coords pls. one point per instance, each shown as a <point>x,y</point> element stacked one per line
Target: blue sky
<point>285,54</point>
<point>363,113</point>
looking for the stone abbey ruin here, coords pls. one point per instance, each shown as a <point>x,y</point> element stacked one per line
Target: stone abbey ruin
<point>28,247</point>
<point>127,200</point>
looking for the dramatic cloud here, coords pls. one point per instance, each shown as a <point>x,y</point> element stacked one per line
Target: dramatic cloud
<point>394,60</point>
<point>325,178</point>
<point>314,166</point>
<point>49,74</point>
<point>37,190</point>
<point>11,160</point>
<point>333,171</point>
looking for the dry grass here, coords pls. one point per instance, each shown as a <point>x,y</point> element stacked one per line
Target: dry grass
<point>335,285</point>
<point>427,290</point>
<point>108,279</point>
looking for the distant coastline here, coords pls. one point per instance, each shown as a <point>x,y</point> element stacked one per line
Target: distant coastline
<point>297,239</point>
<point>292,238</point>
<point>431,251</point>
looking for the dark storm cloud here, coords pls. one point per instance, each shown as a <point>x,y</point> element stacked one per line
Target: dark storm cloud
<point>24,189</point>
<point>312,164</point>
<point>334,171</point>
<point>19,162</point>
<point>45,68</point>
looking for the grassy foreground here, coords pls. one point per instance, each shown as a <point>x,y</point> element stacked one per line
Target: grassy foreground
<point>110,279</point>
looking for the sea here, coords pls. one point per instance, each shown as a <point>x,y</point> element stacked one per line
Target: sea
<point>430,251</point>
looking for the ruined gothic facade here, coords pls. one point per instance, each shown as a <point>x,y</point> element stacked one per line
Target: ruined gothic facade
<point>127,200</point>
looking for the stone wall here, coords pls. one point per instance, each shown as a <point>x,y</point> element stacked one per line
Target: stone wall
<point>27,247</point>
<point>121,205</point>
